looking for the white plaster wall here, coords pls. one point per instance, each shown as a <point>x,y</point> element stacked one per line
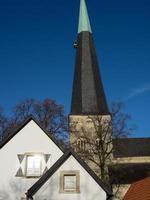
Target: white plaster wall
<point>89,189</point>
<point>30,139</point>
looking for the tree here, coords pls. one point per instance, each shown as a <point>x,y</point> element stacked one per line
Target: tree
<point>48,113</point>
<point>3,124</point>
<point>120,121</point>
<point>94,138</point>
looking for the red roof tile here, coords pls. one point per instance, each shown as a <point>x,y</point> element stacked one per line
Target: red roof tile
<point>139,190</point>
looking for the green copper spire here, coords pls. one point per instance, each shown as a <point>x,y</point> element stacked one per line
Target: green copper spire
<point>84,22</point>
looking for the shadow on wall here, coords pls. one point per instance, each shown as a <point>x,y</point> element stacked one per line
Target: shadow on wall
<point>4,195</point>
<point>13,191</point>
<point>47,191</point>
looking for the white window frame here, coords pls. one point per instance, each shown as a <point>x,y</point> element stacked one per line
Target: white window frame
<point>34,175</point>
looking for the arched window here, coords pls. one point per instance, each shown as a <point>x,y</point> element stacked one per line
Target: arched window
<point>97,143</point>
<point>78,144</point>
<point>81,145</point>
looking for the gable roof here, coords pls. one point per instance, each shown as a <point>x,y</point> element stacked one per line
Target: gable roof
<point>54,168</point>
<point>139,190</point>
<point>131,147</point>
<point>21,126</point>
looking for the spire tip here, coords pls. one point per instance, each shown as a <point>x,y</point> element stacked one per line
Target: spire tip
<point>84,22</point>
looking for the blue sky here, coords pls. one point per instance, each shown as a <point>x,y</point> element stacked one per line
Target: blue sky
<point>37,57</point>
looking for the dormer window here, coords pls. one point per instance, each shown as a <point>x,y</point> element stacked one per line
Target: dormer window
<point>33,165</point>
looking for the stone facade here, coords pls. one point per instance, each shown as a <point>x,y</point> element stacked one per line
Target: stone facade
<point>91,138</point>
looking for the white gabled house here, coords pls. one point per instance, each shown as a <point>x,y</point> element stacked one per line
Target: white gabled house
<point>30,158</point>
<point>25,155</point>
<point>70,178</point>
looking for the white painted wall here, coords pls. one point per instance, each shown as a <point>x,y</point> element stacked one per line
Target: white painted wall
<point>30,139</point>
<point>89,189</point>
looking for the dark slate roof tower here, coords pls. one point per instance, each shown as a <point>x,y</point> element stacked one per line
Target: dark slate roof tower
<point>88,97</point>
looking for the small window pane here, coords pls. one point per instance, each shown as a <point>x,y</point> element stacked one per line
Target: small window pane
<point>34,165</point>
<point>70,182</point>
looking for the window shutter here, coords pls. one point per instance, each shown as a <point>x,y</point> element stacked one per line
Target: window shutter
<point>46,157</point>
<point>45,170</point>
<point>20,157</point>
<point>19,173</point>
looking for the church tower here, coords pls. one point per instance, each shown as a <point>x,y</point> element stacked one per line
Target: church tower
<point>89,119</point>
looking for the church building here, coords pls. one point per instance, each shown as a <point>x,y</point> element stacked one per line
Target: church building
<point>121,161</point>
<point>34,166</point>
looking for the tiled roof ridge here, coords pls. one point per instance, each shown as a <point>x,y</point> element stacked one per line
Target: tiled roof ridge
<point>142,180</point>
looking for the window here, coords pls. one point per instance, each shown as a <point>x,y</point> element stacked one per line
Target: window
<point>69,182</point>
<point>33,165</point>
<point>97,143</point>
<point>81,145</point>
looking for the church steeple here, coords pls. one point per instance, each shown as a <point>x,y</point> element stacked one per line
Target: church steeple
<point>84,22</point>
<point>88,96</point>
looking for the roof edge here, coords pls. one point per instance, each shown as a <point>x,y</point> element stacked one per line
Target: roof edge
<point>54,168</point>
<point>21,126</point>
